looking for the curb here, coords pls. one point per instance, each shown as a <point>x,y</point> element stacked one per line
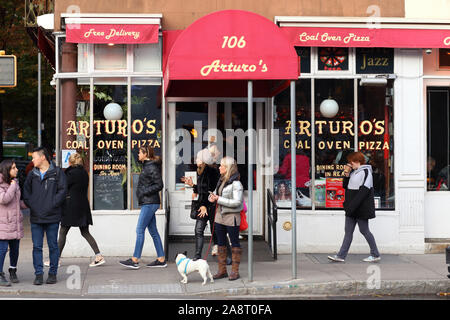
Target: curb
<point>337,288</point>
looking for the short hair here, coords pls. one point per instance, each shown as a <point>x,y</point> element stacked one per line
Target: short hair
<point>43,152</point>
<point>75,159</point>
<point>356,157</point>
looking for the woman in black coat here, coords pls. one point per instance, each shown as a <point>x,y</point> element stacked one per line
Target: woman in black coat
<point>77,212</point>
<point>207,178</point>
<point>359,206</point>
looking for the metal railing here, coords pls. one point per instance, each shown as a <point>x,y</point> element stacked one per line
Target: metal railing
<point>272,218</point>
<point>166,234</point>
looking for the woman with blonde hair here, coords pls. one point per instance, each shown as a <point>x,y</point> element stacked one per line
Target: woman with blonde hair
<point>229,197</point>
<point>77,212</point>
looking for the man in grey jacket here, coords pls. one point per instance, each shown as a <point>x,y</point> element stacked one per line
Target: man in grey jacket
<point>44,193</point>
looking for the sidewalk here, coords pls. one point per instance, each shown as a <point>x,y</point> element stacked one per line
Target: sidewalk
<point>399,274</point>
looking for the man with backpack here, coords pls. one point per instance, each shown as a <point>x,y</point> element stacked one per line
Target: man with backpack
<point>44,193</point>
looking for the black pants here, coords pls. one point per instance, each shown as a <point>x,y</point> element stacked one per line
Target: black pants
<point>84,232</point>
<point>200,226</point>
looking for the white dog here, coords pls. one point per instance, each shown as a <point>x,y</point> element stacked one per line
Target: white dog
<point>186,266</point>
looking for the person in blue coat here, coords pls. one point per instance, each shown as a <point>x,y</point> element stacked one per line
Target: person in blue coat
<point>44,193</point>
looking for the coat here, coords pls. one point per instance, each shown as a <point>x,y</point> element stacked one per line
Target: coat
<point>45,197</point>
<point>232,197</point>
<point>359,200</point>
<point>11,219</point>
<point>76,212</point>
<point>206,182</point>
<point>150,183</point>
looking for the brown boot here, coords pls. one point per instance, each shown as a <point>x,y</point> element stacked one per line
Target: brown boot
<point>222,259</point>
<point>236,257</point>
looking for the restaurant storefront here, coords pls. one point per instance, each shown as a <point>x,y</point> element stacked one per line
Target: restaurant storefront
<point>123,81</point>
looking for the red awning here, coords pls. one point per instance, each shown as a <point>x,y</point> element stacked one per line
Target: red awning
<point>112,33</point>
<point>368,37</point>
<point>229,45</point>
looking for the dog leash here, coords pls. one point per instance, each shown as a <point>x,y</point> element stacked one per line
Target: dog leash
<point>212,233</point>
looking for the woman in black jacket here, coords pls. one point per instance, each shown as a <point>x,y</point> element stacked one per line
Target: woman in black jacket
<point>359,206</point>
<point>207,178</point>
<point>149,185</point>
<point>76,212</point>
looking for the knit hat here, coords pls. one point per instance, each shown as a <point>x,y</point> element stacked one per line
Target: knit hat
<point>204,156</point>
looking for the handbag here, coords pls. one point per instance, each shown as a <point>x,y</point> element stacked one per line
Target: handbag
<point>194,210</point>
<point>244,225</point>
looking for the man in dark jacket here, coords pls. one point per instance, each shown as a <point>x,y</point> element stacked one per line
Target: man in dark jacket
<point>44,193</point>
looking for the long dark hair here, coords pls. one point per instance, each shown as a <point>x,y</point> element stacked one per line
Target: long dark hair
<point>150,153</point>
<point>5,169</point>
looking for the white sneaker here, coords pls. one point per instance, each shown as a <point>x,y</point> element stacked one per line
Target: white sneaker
<point>47,263</point>
<point>335,258</point>
<point>372,259</point>
<point>98,262</point>
<point>215,250</point>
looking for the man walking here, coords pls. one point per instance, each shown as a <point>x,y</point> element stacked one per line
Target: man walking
<point>44,193</point>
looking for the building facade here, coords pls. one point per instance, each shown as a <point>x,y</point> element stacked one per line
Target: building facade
<point>373,78</point>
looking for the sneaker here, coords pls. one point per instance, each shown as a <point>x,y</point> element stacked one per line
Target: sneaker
<point>38,280</point>
<point>157,264</point>
<point>3,281</point>
<point>98,262</point>
<point>335,258</point>
<point>215,250</point>
<point>130,264</point>
<point>13,275</point>
<point>47,264</point>
<point>372,259</point>
<point>51,279</point>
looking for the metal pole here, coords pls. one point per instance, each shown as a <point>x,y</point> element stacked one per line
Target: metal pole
<point>293,183</point>
<point>58,122</point>
<point>39,127</point>
<point>250,180</point>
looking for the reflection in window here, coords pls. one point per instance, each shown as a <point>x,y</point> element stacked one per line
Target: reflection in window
<point>376,138</point>
<point>438,125</point>
<point>110,148</point>
<point>145,128</point>
<point>334,138</point>
<point>192,117</point>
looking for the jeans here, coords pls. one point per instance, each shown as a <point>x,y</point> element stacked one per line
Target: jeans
<point>13,252</point>
<point>363,225</point>
<point>147,219</point>
<point>221,233</point>
<point>37,235</point>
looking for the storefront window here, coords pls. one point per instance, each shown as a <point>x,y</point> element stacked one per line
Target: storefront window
<point>334,138</point>
<point>110,148</point>
<point>145,128</point>
<point>444,58</point>
<point>282,179</point>
<point>438,127</point>
<point>192,118</point>
<point>147,57</point>
<point>110,57</point>
<point>376,139</point>
<point>336,133</point>
<point>333,58</point>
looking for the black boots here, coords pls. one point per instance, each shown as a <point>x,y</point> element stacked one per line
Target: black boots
<point>38,280</point>
<point>13,275</point>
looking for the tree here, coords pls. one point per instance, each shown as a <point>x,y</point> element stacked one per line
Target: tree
<point>19,104</point>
